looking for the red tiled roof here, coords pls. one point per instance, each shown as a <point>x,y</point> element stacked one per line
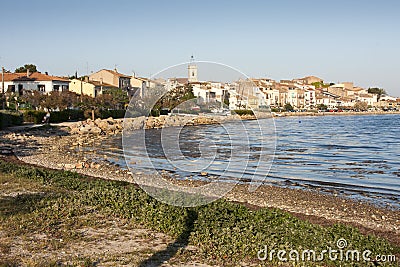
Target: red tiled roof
<point>180,80</point>
<point>118,74</point>
<point>36,76</point>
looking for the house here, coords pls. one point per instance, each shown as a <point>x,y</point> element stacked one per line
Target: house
<point>370,99</point>
<point>356,91</point>
<point>311,80</point>
<point>139,85</point>
<point>209,92</point>
<point>327,100</point>
<point>112,77</point>
<point>309,98</point>
<point>338,89</point>
<point>37,81</point>
<point>90,88</point>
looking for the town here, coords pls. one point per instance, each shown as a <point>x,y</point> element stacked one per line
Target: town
<point>300,94</point>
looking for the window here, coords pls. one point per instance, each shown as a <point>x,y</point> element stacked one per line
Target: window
<point>11,88</point>
<point>56,88</point>
<point>64,88</point>
<point>20,88</point>
<point>41,88</point>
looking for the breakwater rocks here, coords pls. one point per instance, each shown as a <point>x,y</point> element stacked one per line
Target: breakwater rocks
<point>98,126</point>
<point>112,126</point>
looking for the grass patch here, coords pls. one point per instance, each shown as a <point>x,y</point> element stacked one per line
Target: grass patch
<point>60,202</point>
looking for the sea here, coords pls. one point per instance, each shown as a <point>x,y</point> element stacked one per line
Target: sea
<point>356,157</point>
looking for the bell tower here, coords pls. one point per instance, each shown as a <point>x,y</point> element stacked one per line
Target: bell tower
<point>192,71</point>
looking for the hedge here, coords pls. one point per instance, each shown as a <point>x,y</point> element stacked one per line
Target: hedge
<point>36,116</point>
<point>10,118</point>
<point>66,115</point>
<point>242,112</point>
<point>116,114</point>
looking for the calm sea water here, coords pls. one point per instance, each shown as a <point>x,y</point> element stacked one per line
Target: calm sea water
<point>357,156</point>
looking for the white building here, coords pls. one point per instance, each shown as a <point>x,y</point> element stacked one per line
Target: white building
<point>309,98</point>
<point>18,82</point>
<point>370,99</point>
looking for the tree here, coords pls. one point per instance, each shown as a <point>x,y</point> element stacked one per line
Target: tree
<point>119,97</point>
<point>377,91</point>
<point>362,106</point>
<point>288,107</point>
<point>322,107</point>
<point>31,67</point>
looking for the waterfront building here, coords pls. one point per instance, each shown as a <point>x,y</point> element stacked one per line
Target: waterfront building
<point>37,81</point>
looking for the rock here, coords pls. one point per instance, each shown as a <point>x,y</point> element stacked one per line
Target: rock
<point>84,129</point>
<point>103,125</point>
<point>69,166</point>
<point>94,165</point>
<point>111,128</point>
<point>95,130</point>
<point>134,123</point>
<point>79,165</point>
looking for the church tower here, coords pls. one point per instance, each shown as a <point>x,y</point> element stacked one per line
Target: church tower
<point>192,71</point>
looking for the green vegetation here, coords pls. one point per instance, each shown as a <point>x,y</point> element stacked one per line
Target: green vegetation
<point>10,118</point>
<point>31,67</point>
<point>242,112</point>
<point>321,84</point>
<point>36,116</point>
<point>172,99</point>
<point>322,107</point>
<point>377,91</point>
<point>361,106</point>
<point>225,233</point>
<point>288,107</point>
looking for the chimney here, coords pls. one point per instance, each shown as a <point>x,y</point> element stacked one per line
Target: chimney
<point>46,73</point>
<point>86,79</point>
<point>27,73</point>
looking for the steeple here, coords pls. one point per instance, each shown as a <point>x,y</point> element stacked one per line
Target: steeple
<point>192,71</point>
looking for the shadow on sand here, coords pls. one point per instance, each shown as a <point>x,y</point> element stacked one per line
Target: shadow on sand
<point>181,242</point>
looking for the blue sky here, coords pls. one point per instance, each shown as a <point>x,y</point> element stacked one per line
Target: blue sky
<point>336,40</point>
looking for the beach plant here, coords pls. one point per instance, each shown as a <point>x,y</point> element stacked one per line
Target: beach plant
<point>225,233</point>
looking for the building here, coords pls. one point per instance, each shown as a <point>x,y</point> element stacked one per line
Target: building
<point>338,89</point>
<point>370,99</point>
<point>112,77</point>
<point>309,98</point>
<point>192,73</point>
<point>311,79</point>
<point>37,81</point>
<point>90,88</point>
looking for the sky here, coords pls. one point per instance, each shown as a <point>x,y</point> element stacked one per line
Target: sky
<point>353,40</point>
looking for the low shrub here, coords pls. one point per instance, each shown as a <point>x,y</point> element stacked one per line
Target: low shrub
<point>225,233</point>
<point>66,115</point>
<point>36,116</point>
<point>116,114</point>
<point>10,118</point>
<point>242,112</point>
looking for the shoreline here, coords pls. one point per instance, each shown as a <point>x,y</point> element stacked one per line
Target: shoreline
<point>51,149</point>
<point>319,114</point>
